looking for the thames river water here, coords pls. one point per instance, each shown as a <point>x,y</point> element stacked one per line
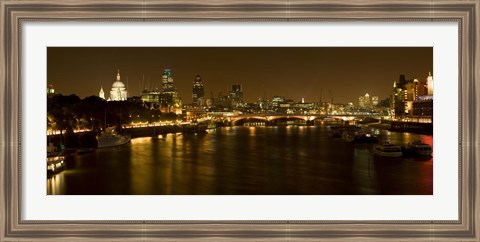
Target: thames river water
<point>290,160</point>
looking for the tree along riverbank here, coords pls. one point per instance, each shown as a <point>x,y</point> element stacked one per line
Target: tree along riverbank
<point>88,140</point>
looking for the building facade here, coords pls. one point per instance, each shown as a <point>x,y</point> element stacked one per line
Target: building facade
<point>430,84</point>
<point>118,91</point>
<point>236,95</point>
<point>198,93</point>
<point>170,102</point>
<point>406,93</point>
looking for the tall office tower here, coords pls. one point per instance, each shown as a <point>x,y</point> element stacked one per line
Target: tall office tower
<point>169,100</point>
<point>361,101</point>
<point>236,95</point>
<point>374,101</point>
<point>198,93</point>
<point>367,101</point>
<point>398,98</point>
<point>167,81</point>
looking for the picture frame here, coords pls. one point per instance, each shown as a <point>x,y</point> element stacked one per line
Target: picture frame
<point>14,13</point>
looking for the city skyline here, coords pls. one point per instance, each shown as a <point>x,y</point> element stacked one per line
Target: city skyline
<point>338,73</point>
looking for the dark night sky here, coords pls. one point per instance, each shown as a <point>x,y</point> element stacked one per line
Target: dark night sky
<point>293,72</point>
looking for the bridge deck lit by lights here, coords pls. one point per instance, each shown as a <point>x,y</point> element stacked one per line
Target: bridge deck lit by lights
<point>306,117</point>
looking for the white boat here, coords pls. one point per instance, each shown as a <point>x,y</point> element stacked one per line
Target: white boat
<point>419,148</point>
<point>387,150</point>
<point>110,138</point>
<point>55,162</point>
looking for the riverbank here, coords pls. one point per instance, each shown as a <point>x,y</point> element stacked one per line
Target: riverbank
<point>88,140</point>
<point>412,127</point>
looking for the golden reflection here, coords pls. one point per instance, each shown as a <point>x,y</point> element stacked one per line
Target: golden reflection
<point>55,184</point>
<point>140,140</point>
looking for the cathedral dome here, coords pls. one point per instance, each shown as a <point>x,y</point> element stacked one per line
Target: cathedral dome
<point>118,84</point>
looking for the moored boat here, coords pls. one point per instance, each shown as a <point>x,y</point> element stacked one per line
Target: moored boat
<point>358,134</point>
<point>194,128</point>
<point>387,149</point>
<point>55,162</point>
<point>334,131</point>
<point>110,138</point>
<point>419,148</point>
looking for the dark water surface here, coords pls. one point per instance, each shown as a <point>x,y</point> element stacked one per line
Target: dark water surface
<point>246,161</point>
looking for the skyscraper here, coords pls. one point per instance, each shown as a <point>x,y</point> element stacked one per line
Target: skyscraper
<point>367,101</point>
<point>361,101</point>
<point>236,95</point>
<point>169,100</point>
<point>374,101</point>
<point>167,81</point>
<point>397,103</point>
<point>198,93</point>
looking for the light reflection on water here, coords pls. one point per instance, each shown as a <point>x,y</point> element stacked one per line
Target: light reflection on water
<point>246,161</point>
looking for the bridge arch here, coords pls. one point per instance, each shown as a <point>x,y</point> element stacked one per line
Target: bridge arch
<point>236,120</point>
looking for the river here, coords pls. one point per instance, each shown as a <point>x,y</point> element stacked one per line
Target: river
<point>291,160</point>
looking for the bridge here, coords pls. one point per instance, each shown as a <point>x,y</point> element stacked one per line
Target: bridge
<point>308,118</point>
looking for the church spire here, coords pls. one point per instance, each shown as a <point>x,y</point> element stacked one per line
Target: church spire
<point>101,94</point>
<point>118,74</point>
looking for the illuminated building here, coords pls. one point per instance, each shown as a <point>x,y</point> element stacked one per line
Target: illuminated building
<point>198,93</point>
<point>423,108</point>
<point>374,101</point>
<point>361,101</point>
<point>151,99</point>
<point>50,89</point>
<point>101,94</point>
<point>397,100</point>
<point>194,113</point>
<point>430,84</point>
<point>118,92</point>
<point>405,94</point>
<point>276,100</point>
<point>167,81</point>
<point>236,95</point>
<point>169,100</point>
<point>365,101</point>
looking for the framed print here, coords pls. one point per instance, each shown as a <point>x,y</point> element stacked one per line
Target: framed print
<point>234,120</point>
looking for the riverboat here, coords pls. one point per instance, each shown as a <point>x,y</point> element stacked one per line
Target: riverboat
<point>194,128</point>
<point>358,134</point>
<point>387,150</point>
<point>55,162</point>
<point>110,137</point>
<point>419,148</point>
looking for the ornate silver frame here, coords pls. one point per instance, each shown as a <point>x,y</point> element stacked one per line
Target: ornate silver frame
<point>15,12</point>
